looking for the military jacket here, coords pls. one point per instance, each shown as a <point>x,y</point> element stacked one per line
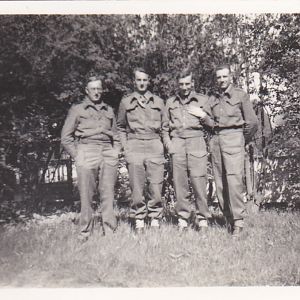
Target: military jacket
<point>140,117</point>
<point>233,109</point>
<point>178,122</point>
<point>84,117</point>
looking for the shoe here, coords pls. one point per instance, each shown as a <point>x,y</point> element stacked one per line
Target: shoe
<point>182,225</point>
<point>139,226</point>
<point>155,223</point>
<point>202,225</point>
<point>236,231</point>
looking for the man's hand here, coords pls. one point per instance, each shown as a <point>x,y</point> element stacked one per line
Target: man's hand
<point>196,111</point>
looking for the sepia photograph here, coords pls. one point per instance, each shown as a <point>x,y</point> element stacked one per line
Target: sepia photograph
<point>148,147</point>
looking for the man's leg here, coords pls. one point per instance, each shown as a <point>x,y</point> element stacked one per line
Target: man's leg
<point>137,174</point>
<point>135,157</point>
<point>234,156</point>
<point>219,175</point>
<point>197,164</point>
<point>234,168</point>
<point>87,187</point>
<point>107,180</point>
<point>87,164</point>
<point>180,182</point>
<point>155,177</point>
<point>181,186</point>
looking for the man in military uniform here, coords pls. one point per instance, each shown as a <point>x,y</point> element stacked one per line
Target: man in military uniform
<point>139,122</point>
<point>235,123</point>
<point>89,136</point>
<point>184,140</point>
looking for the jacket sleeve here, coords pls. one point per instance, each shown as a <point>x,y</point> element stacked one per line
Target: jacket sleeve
<point>68,132</point>
<point>208,120</point>
<point>121,124</point>
<point>166,127</point>
<point>250,118</point>
<point>115,132</point>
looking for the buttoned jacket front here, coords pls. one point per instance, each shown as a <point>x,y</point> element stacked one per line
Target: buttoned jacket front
<point>140,116</point>
<point>233,109</point>
<point>83,117</point>
<point>178,122</point>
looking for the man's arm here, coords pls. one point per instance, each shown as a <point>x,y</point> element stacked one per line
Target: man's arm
<point>204,114</point>
<point>68,130</point>
<point>121,124</point>
<point>208,120</point>
<point>114,130</point>
<point>166,129</point>
<point>251,121</point>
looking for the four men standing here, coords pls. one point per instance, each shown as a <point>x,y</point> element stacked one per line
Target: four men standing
<point>143,121</point>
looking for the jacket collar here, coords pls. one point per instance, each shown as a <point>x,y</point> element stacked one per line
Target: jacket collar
<point>88,103</point>
<point>136,96</point>
<point>228,92</point>
<point>192,96</point>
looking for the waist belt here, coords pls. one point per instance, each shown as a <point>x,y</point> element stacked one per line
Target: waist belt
<point>218,129</point>
<point>143,136</point>
<point>187,134</point>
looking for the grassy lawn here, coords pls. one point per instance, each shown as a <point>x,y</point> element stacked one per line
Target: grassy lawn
<point>46,253</point>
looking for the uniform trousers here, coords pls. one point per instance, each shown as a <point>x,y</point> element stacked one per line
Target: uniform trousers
<point>145,159</point>
<point>96,167</point>
<point>190,161</point>
<point>228,154</point>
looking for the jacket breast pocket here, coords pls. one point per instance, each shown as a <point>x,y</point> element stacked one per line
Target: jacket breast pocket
<point>132,115</point>
<point>108,119</point>
<point>233,108</point>
<point>175,114</point>
<point>156,113</point>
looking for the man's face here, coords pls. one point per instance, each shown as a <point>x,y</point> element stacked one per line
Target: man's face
<point>223,78</point>
<point>141,81</point>
<point>186,85</point>
<point>94,90</point>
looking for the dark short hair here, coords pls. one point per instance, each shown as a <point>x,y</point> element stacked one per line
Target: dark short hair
<point>223,66</point>
<point>184,73</point>
<point>141,70</point>
<point>93,78</point>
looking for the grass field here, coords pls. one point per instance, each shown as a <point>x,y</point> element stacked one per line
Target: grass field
<point>46,253</point>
